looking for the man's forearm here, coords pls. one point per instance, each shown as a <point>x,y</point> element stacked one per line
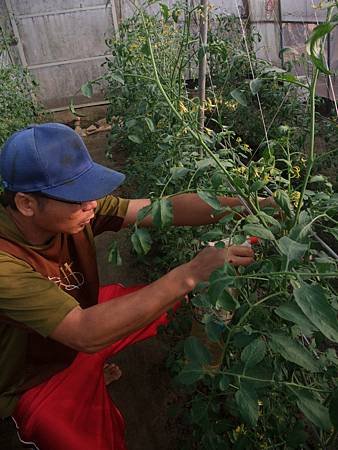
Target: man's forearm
<point>190,209</point>
<point>98,326</point>
<point>94,328</point>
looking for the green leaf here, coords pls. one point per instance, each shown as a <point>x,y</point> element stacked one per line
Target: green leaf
<point>164,11</point>
<point>313,410</point>
<point>195,351</point>
<point>214,330</point>
<point>313,301</point>
<point>217,289</point>
<point>292,249</point>
<point>205,162</point>
<point>317,179</point>
<point>135,138</point>
<point>150,124</point>
<point>162,212</point>
<point>213,235</point>
<point>239,96</point>
<point>225,300</point>
<point>141,240</point>
<point>87,89</point>
<point>293,79</point>
<point>199,411</point>
<point>145,49</point>
<point>191,373</point>
<point>114,256</point>
<point>293,313</point>
<point>256,186</point>
<point>314,45</point>
<point>73,111</point>
<point>210,199</point>
<point>256,85</point>
<point>143,213</point>
<point>258,230</point>
<point>283,201</point>
<point>176,14</point>
<point>247,403</point>
<point>253,353</point>
<point>116,77</point>
<point>224,382</point>
<point>293,351</point>
<point>297,436</point>
<point>334,232</point>
<point>269,219</point>
<point>179,172</point>
<point>333,409</point>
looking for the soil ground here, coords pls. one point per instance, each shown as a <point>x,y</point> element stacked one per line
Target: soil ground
<point>143,392</point>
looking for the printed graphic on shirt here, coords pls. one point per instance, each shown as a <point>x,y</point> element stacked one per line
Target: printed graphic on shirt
<point>68,280</point>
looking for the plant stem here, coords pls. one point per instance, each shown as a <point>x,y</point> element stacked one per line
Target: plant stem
<point>285,383</point>
<point>310,160</point>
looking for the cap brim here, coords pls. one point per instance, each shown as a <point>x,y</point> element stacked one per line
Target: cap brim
<point>95,183</point>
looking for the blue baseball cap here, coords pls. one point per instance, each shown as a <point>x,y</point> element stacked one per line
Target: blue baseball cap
<point>51,158</point>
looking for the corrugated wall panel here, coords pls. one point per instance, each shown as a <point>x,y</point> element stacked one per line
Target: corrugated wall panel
<point>264,18</point>
<point>301,10</point>
<point>126,8</point>
<point>65,36</point>
<point>65,82</point>
<point>47,6</point>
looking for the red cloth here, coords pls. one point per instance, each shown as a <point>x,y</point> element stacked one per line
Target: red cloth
<point>73,410</point>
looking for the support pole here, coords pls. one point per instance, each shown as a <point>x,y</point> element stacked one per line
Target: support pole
<point>202,70</point>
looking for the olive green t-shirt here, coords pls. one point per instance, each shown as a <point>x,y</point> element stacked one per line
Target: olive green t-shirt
<point>39,286</point>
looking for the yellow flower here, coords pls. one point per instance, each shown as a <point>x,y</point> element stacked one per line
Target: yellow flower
<point>240,429</point>
<point>295,197</point>
<point>295,171</point>
<point>240,170</point>
<point>208,105</point>
<point>231,105</point>
<point>257,171</point>
<point>208,131</point>
<point>266,178</point>
<point>239,140</point>
<point>183,109</point>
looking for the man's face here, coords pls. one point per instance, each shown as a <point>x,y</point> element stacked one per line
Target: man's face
<point>55,216</point>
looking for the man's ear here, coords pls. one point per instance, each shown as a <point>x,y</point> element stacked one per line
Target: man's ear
<point>26,204</point>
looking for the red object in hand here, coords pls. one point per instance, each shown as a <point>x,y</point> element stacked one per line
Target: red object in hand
<point>253,240</point>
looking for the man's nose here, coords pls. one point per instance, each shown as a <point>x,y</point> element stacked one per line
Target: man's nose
<point>87,206</point>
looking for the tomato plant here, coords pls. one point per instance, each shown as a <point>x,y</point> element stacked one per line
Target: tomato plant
<point>260,367</point>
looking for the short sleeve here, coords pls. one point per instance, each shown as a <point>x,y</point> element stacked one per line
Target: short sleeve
<point>29,298</point>
<point>109,214</point>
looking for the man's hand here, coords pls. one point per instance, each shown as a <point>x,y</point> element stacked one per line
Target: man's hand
<point>212,258</point>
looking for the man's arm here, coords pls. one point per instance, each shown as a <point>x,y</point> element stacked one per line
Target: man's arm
<point>188,209</point>
<point>89,330</point>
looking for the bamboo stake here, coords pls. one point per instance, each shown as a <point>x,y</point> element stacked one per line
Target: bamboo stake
<point>202,69</point>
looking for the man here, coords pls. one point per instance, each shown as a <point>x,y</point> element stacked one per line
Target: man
<point>57,328</point>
